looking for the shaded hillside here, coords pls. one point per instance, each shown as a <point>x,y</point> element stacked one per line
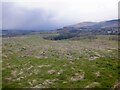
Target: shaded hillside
<point>12,33</point>
<point>87,29</point>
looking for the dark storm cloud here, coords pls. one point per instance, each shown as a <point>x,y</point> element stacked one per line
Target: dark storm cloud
<point>20,18</point>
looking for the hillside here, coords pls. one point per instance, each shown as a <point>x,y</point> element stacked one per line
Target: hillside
<point>87,29</point>
<point>29,61</point>
<point>83,24</point>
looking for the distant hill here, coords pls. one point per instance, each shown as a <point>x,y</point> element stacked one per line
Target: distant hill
<point>12,33</point>
<point>107,24</point>
<point>103,24</point>
<point>111,25</point>
<point>88,29</point>
<point>83,24</point>
<point>76,30</point>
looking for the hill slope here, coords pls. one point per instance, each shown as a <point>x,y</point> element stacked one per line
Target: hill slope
<point>87,29</point>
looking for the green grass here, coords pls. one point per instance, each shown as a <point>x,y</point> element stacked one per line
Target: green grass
<point>30,61</point>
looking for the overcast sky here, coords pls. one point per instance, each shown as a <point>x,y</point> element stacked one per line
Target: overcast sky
<point>52,14</point>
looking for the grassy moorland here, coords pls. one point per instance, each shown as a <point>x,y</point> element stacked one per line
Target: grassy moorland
<point>30,61</point>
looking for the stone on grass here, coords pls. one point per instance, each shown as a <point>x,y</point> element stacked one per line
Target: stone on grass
<point>97,73</point>
<point>78,76</point>
<point>41,66</point>
<point>93,58</point>
<point>14,73</point>
<point>51,71</point>
<point>60,72</point>
<point>49,82</point>
<point>92,85</point>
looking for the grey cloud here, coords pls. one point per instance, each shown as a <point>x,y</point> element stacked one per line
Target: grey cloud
<point>20,18</point>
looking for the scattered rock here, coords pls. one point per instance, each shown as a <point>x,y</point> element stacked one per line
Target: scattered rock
<point>5,56</point>
<point>23,48</point>
<point>40,56</point>
<point>21,72</point>
<point>71,62</point>
<point>33,82</point>
<point>93,58</point>
<point>9,66</point>
<point>31,74</point>
<point>39,86</point>
<point>116,86</point>
<point>64,65</point>
<point>36,71</point>
<point>19,78</point>
<point>97,73</point>
<point>109,50</point>
<point>30,67</point>
<point>60,72</point>
<point>40,66</point>
<point>92,85</point>
<point>78,76</point>
<point>14,73</point>
<point>30,83</point>
<point>51,71</point>
<point>48,82</point>
<point>97,54</point>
